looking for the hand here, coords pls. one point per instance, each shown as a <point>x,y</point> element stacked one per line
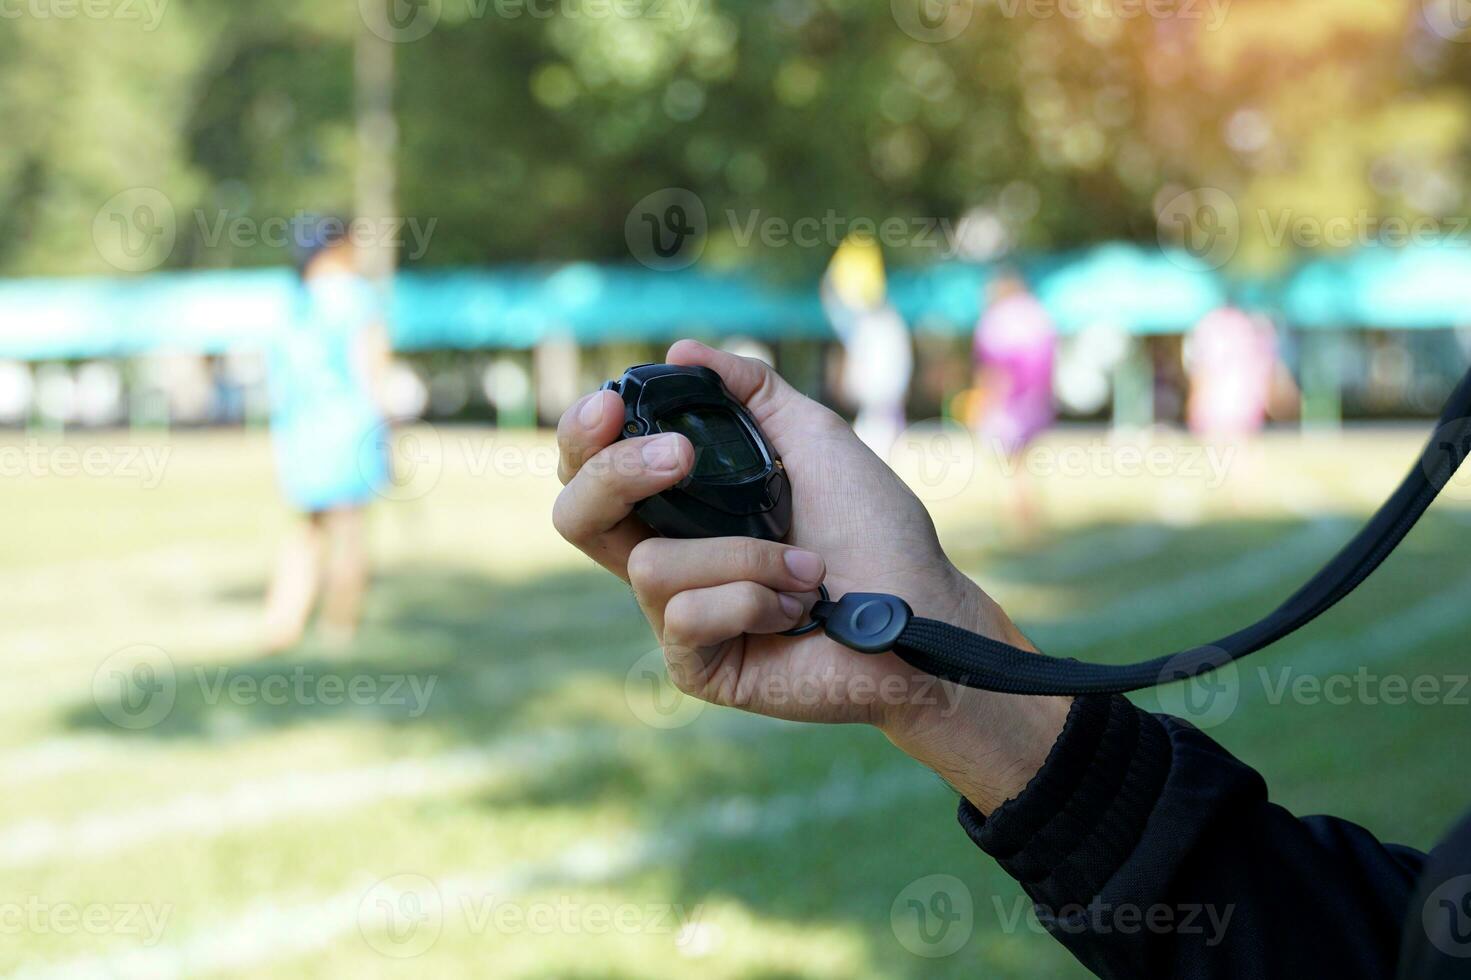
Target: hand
<point>716,604</point>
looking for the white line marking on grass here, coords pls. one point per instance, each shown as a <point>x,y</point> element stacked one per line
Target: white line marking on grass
<point>1105,549</point>
<point>1242,576</point>
<point>55,757</point>
<point>1085,554</point>
<point>1390,638</point>
<point>265,933</point>
<point>258,802</point>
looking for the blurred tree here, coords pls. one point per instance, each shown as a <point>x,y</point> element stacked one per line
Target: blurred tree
<point>527,130</point>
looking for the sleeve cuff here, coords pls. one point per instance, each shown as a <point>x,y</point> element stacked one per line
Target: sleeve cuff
<point>1084,811</point>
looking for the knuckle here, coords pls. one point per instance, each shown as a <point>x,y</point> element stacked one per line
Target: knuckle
<point>750,600</point>
<point>679,667</point>
<point>645,563</point>
<point>607,464</point>
<point>680,615</point>
<point>566,517</point>
<point>751,555</point>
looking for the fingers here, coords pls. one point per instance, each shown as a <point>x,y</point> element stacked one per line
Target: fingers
<point>585,429</point>
<point>660,568</point>
<point>752,382</point>
<point>593,510</point>
<point>703,618</point>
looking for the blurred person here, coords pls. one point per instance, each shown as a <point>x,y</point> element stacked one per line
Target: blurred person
<point>1148,849</point>
<point>1234,370</point>
<point>1236,381</point>
<point>1015,351</point>
<point>326,370</point>
<point>878,362</point>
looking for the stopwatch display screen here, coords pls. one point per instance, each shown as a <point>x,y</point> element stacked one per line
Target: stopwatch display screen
<point>724,452</point>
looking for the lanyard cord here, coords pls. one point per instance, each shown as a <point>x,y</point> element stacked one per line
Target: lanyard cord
<point>875,622</point>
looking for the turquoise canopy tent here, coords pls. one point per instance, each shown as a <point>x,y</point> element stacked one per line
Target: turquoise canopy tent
<point>1143,291</point>
<point>1397,288</point>
<point>1136,288</point>
<point>516,308</point>
<point>207,312</point>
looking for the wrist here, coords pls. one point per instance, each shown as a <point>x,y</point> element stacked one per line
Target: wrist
<point>986,745</point>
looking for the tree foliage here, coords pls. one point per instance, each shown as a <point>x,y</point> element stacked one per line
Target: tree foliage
<point>528,129</point>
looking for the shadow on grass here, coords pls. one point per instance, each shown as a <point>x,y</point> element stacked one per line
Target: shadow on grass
<point>555,653</point>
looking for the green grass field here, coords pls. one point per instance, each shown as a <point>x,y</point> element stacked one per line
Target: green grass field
<point>544,810</point>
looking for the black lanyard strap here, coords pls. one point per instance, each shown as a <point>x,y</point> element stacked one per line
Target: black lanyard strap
<point>874,622</point>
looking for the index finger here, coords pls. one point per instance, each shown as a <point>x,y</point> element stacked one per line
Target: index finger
<point>586,429</point>
<point>754,383</point>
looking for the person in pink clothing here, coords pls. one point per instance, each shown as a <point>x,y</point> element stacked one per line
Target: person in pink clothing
<point>1232,360</point>
<point>1015,347</point>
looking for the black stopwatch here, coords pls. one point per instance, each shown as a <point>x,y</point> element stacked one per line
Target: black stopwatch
<point>738,486</point>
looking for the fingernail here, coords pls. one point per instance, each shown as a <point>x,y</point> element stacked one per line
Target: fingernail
<point>662,453</point>
<point>591,412</point>
<point>790,605</point>
<point>806,566</point>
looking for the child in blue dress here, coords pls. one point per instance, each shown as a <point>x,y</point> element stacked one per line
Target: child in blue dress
<point>330,438</point>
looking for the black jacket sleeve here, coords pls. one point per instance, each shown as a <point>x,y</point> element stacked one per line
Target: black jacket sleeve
<point>1150,851</point>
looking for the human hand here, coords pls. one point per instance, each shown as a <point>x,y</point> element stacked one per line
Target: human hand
<point>717,604</point>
